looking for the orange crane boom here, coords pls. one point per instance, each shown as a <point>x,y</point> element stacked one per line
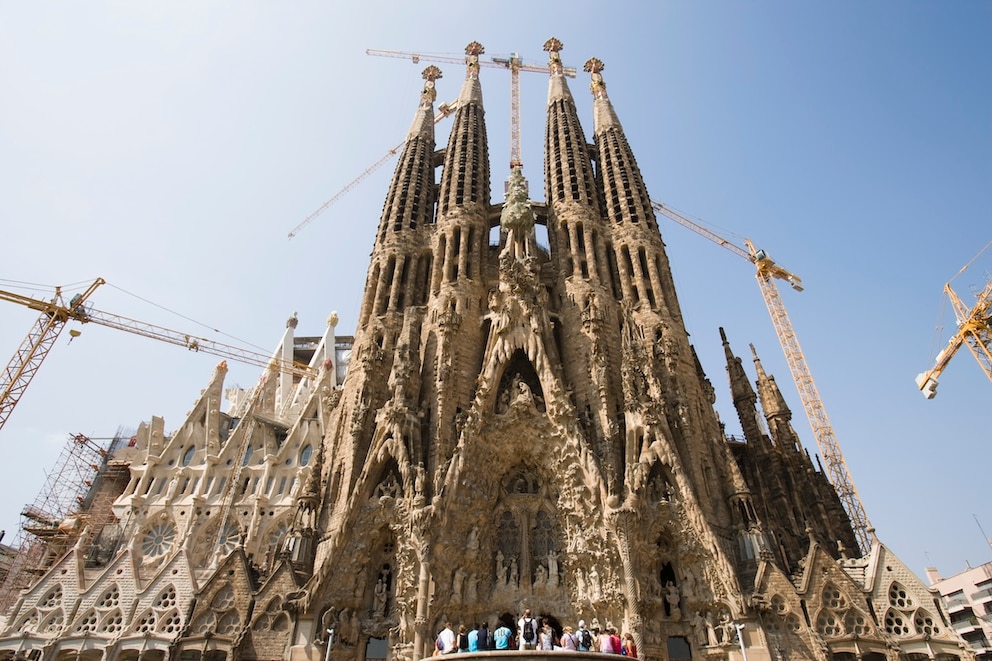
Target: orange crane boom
<point>767,272</point>
<point>55,314</point>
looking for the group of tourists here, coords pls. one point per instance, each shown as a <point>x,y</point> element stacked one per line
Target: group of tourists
<point>533,634</point>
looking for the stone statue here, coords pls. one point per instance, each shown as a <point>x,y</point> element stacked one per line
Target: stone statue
<point>523,393</point>
<point>540,576</point>
<point>710,630</point>
<point>514,575</point>
<point>552,568</point>
<point>699,625</point>
<point>379,598</point>
<point>728,629</point>
<point>672,598</point>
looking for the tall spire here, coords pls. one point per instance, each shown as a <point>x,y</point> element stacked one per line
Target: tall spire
<point>568,168</point>
<point>423,121</point>
<point>397,276</point>
<point>465,179</point>
<point>645,273</point>
<point>745,400</point>
<point>471,89</point>
<point>772,401</point>
<point>558,89</point>
<point>604,116</point>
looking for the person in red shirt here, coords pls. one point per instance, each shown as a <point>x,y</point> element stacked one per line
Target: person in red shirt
<point>615,641</point>
<point>629,646</point>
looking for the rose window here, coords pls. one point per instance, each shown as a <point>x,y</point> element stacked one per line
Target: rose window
<point>158,540</point>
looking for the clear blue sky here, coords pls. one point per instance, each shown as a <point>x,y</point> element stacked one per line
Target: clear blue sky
<point>170,146</point>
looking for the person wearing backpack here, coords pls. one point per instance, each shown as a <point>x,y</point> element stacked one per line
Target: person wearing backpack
<point>584,636</point>
<point>527,631</point>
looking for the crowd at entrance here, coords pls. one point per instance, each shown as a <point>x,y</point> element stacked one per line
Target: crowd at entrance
<point>531,633</point>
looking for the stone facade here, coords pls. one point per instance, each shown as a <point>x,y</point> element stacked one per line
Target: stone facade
<point>520,427</point>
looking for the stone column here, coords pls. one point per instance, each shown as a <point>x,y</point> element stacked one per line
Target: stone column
<point>621,519</point>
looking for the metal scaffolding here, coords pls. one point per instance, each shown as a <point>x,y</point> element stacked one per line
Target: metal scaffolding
<point>75,501</point>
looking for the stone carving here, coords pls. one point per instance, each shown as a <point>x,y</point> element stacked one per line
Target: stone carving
<point>379,598</point>
<point>699,629</point>
<point>672,599</point>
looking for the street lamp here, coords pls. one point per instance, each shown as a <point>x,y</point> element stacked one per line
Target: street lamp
<point>740,638</point>
<point>330,644</point>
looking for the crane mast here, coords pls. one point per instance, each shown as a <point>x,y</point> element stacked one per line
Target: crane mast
<point>54,316</point>
<point>39,341</point>
<point>767,272</point>
<point>513,63</point>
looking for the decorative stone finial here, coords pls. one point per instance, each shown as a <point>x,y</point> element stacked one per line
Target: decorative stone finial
<point>554,46</point>
<point>472,53</point>
<point>292,321</point>
<point>594,65</point>
<point>430,74</point>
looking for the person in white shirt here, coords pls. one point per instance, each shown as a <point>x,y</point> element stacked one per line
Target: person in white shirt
<point>447,638</point>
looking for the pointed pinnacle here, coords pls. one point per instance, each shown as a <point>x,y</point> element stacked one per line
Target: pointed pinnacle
<point>597,86</point>
<point>554,46</point>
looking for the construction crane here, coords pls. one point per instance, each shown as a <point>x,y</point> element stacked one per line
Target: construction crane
<point>767,272</point>
<point>444,110</point>
<point>55,314</point>
<point>513,63</point>
<point>974,331</point>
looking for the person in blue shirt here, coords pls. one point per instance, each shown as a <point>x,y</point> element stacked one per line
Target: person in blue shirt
<point>473,639</point>
<point>502,637</point>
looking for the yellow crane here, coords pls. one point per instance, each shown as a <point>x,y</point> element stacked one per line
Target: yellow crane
<point>767,272</point>
<point>55,314</point>
<point>974,331</point>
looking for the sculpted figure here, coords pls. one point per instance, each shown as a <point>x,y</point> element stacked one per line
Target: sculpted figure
<point>379,598</point>
<point>672,597</point>
<point>699,625</point>
<point>540,576</point>
<point>552,568</point>
<point>710,629</point>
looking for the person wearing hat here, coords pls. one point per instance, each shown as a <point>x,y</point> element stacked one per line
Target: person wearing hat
<point>584,636</point>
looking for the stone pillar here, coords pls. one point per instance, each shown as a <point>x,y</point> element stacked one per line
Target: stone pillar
<point>421,637</point>
<point>620,520</point>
